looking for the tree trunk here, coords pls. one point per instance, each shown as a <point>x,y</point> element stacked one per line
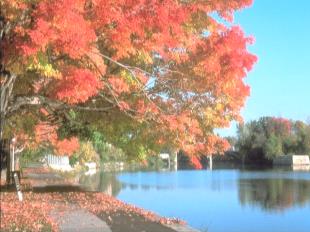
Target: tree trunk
<point>6,92</point>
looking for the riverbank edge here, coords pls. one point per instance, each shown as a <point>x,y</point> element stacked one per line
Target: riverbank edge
<point>38,206</point>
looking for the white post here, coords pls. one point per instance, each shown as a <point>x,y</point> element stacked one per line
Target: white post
<point>13,159</point>
<point>13,154</point>
<point>169,162</point>
<point>17,184</point>
<point>210,162</point>
<point>176,161</point>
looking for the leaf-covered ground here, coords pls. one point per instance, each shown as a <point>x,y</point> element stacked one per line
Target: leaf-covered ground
<point>33,214</point>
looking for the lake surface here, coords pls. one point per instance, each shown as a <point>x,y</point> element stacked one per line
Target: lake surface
<point>219,200</point>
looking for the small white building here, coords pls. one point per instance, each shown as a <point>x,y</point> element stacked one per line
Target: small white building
<point>292,160</point>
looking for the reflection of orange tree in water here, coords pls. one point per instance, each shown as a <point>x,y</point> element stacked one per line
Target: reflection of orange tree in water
<point>274,194</point>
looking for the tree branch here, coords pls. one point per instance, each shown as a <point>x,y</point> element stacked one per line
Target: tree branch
<point>132,70</point>
<point>38,100</point>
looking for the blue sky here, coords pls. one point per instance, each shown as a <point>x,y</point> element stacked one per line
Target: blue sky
<point>280,80</point>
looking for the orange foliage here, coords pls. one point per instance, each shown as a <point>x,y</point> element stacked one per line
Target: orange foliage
<point>45,133</point>
<point>118,85</point>
<point>77,86</point>
<point>67,146</point>
<point>195,161</point>
<point>169,63</point>
<point>54,26</point>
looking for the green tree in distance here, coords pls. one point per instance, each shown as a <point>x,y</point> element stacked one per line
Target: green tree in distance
<point>268,137</point>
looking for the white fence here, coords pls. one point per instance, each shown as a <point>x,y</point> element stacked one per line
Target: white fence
<point>58,162</point>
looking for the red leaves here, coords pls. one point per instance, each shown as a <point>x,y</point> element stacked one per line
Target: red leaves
<point>61,25</point>
<point>67,146</point>
<point>281,126</point>
<point>31,214</point>
<point>123,105</point>
<point>77,86</point>
<point>118,85</point>
<point>194,64</point>
<point>34,212</point>
<point>195,161</point>
<point>47,134</point>
<point>109,204</point>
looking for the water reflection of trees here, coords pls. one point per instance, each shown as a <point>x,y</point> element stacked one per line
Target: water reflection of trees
<point>274,194</point>
<point>146,187</point>
<point>101,182</point>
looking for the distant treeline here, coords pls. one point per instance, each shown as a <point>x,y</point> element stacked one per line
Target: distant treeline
<point>259,141</point>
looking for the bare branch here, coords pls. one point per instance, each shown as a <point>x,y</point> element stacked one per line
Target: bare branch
<point>132,70</point>
<point>37,100</point>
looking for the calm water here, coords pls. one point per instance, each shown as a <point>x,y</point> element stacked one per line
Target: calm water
<point>219,200</point>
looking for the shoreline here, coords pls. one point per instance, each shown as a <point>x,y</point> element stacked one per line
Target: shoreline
<point>35,213</point>
<point>48,198</point>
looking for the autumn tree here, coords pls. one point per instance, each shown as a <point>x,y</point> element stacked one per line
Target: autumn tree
<point>263,139</point>
<point>146,74</point>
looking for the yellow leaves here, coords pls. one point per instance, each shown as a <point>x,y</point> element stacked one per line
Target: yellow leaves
<point>145,57</point>
<point>215,117</point>
<point>208,116</point>
<point>219,107</point>
<point>127,77</point>
<point>40,64</point>
<point>134,79</point>
<point>87,153</point>
<point>46,69</point>
<point>208,111</point>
